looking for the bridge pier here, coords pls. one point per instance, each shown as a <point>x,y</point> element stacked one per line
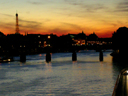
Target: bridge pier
<point>23,57</point>
<point>101,56</point>
<point>48,57</point>
<point>74,56</point>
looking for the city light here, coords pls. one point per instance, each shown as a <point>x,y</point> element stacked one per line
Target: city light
<point>48,44</point>
<point>9,60</point>
<point>39,42</point>
<point>78,41</point>
<point>49,37</point>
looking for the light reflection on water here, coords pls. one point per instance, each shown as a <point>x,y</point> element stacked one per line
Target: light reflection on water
<point>61,77</point>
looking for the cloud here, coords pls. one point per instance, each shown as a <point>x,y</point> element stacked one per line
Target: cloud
<point>81,9</point>
<point>7,25</point>
<point>74,26</point>
<point>35,3</point>
<point>30,24</point>
<point>74,2</point>
<point>93,8</point>
<point>122,7</point>
<point>110,23</point>
<point>7,15</point>
<point>86,7</point>
<point>40,2</point>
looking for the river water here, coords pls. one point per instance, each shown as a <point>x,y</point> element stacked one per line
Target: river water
<point>62,77</point>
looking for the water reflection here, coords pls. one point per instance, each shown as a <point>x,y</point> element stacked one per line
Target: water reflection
<point>48,67</point>
<point>61,77</point>
<point>0,66</point>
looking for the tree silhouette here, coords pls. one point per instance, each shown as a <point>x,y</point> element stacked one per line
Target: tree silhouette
<point>120,38</point>
<point>1,35</point>
<point>120,42</point>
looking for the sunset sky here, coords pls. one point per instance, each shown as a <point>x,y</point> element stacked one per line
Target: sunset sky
<point>64,16</point>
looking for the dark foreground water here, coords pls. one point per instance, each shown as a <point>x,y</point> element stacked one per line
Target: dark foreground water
<point>61,77</point>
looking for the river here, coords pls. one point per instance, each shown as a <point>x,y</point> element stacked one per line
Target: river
<point>62,77</point>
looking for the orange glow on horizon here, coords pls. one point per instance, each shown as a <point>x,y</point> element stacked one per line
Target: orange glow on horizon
<point>59,27</point>
<point>101,31</point>
<point>99,34</point>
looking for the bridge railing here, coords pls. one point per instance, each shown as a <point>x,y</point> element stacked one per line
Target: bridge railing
<point>121,86</point>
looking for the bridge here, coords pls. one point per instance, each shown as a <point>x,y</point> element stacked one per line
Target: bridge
<point>121,86</point>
